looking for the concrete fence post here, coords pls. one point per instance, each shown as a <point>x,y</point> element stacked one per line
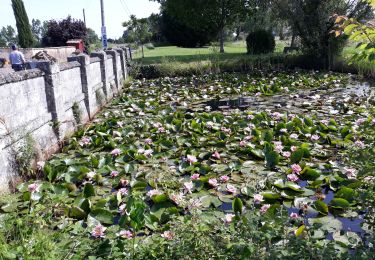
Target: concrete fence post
<point>123,63</point>
<point>115,58</point>
<point>106,86</point>
<point>84,60</point>
<point>55,106</point>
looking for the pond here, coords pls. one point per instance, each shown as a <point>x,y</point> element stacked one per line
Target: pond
<point>277,147</point>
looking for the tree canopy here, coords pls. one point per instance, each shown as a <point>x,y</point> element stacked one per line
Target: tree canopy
<point>59,32</point>
<point>25,36</point>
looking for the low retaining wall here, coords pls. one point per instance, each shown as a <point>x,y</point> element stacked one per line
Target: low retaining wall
<point>39,107</point>
<point>60,53</point>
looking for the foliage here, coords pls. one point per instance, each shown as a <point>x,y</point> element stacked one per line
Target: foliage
<point>312,23</point>
<point>59,32</point>
<point>138,31</point>
<point>202,21</point>
<point>37,30</point>
<point>25,37</point>
<point>187,168</point>
<point>91,37</point>
<point>363,33</point>
<point>7,36</point>
<point>260,42</point>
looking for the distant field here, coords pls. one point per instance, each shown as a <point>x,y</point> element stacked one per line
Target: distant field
<point>158,54</point>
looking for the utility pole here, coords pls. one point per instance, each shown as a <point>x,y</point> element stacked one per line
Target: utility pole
<point>104,30</point>
<point>84,16</point>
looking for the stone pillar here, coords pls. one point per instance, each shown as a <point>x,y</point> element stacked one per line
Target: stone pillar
<point>51,78</point>
<point>123,63</point>
<point>106,86</point>
<point>84,60</point>
<point>115,58</point>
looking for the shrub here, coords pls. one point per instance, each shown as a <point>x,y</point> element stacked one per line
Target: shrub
<point>260,42</point>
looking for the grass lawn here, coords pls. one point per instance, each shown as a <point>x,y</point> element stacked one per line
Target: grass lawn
<point>158,54</point>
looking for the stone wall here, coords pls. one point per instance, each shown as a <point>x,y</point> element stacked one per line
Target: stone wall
<point>41,107</point>
<point>60,53</point>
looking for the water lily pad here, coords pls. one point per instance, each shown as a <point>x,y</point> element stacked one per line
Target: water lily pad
<point>103,216</point>
<point>339,203</point>
<point>321,207</point>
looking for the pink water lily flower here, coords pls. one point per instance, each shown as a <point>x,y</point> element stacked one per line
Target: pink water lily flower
<point>243,143</point>
<point>231,189</point>
<point>188,187</point>
<point>167,235</point>
<point>33,187</point>
<point>84,141</point>
<point>124,182</point>
<point>296,168</point>
<point>153,193</point>
<point>229,218</point>
<point>258,198</point>
<point>178,199</point>
<point>114,174</point>
<point>116,152</point>
<point>161,130</point>
<point>216,155</point>
<point>369,178</point>
<point>315,137</point>
<point>286,154</point>
<point>90,175</point>
<point>293,148</point>
<point>148,153</point>
<point>98,231</point>
<point>148,141</point>
<point>213,182</point>
<point>279,148</point>
<point>294,215</point>
<point>264,208</point>
<point>123,191</point>
<point>195,176</point>
<point>293,136</point>
<point>360,144</point>
<point>125,234</point>
<point>191,159</point>
<point>122,209</point>
<point>360,121</point>
<point>292,177</point>
<point>40,165</point>
<point>350,173</point>
<point>224,178</point>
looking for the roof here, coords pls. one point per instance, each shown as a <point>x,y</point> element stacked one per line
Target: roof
<point>74,41</point>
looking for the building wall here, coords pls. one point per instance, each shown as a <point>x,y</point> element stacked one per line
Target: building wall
<point>42,105</point>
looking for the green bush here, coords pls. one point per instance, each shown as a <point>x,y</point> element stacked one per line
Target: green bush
<point>260,42</point>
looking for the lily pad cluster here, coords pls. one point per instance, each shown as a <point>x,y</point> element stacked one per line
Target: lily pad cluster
<point>160,151</point>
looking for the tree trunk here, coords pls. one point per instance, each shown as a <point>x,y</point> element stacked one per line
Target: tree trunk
<point>221,40</point>
<point>143,53</point>
<point>293,39</point>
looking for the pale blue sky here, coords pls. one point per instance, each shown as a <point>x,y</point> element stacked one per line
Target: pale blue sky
<point>116,12</point>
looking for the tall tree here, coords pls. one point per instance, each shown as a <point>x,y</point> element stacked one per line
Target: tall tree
<point>59,32</point>
<point>138,31</point>
<point>37,30</point>
<point>7,36</point>
<point>25,36</point>
<point>208,16</point>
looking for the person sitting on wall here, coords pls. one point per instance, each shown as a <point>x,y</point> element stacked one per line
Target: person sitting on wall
<point>16,58</point>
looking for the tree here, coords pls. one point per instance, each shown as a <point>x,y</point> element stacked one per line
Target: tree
<point>138,31</point>
<point>206,18</point>
<point>59,32</point>
<point>91,37</point>
<point>25,36</point>
<point>311,21</point>
<point>363,33</point>
<point>7,36</point>
<point>36,29</point>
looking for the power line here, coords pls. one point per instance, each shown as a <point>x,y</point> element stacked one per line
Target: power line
<point>123,7</point>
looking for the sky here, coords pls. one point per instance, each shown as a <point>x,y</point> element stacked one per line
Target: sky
<point>116,12</point>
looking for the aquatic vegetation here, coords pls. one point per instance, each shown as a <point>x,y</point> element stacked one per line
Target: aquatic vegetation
<point>272,153</point>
